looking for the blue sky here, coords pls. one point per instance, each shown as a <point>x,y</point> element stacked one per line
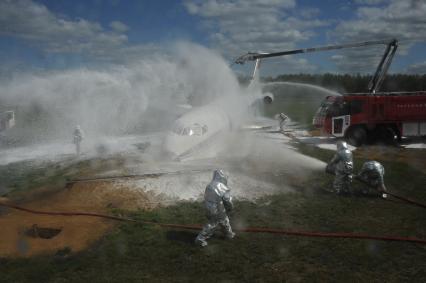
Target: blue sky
<point>59,34</point>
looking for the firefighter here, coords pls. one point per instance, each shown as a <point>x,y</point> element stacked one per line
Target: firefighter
<point>77,138</point>
<point>218,202</point>
<point>371,174</point>
<point>341,165</point>
<point>283,120</point>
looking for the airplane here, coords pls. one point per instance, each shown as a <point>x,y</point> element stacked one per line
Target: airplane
<point>202,126</point>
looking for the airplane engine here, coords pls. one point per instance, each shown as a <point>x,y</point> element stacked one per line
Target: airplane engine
<point>268,98</point>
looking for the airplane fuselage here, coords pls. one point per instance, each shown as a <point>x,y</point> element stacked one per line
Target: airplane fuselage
<point>196,129</point>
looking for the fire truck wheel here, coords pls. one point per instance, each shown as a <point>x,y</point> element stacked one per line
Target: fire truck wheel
<point>356,136</point>
<point>386,135</point>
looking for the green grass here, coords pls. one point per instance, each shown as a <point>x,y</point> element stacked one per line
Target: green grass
<point>21,178</point>
<point>146,253</point>
<point>135,253</point>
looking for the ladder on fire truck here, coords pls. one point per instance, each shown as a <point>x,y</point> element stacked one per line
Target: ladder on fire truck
<point>375,82</point>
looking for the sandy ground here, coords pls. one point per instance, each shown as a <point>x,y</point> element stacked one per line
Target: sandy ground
<point>78,232</point>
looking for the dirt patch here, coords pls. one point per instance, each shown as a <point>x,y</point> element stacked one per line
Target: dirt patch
<point>76,232</point>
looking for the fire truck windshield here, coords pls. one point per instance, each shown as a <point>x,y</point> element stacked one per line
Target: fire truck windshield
<point>338,108</point>
<point>331,107</point>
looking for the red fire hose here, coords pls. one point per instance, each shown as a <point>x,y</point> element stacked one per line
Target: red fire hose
<point>250,229</point>
<point>407,200</point>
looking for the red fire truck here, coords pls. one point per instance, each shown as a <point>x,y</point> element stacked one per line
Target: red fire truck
<point>370,116</point>
<point>360,117</point>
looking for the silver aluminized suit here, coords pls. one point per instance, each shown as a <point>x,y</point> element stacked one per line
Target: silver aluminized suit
<point>342,166</point>
<point>77,138</point>
<point>283,120</point>
<point>217,201</point>
<point>372,173</point>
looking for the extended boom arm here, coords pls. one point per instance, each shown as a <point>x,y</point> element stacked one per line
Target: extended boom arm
<point>376,80</point>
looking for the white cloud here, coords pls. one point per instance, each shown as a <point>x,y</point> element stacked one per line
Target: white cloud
<point>358,60</point>
<point>403,20</point>
<point>230,9</point>
<point>41,28</point>
<point>337,57</point>
<point>118,26</point>
<point>265,25</point>
<point>288,65</point>
<point>34,23</point>
<point>309,13</point>
<point>370,2</point>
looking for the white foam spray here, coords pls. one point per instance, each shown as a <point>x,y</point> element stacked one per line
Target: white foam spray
<point>117,100</point>
<point>138,98</point>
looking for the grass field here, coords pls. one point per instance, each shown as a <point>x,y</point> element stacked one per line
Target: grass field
<point>144,253</point>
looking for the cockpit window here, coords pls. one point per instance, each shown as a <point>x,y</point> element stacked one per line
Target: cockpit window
<point>187,131</point>
<point>195,129</point>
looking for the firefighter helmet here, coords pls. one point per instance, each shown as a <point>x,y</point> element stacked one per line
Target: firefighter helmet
<point>341,145</point>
